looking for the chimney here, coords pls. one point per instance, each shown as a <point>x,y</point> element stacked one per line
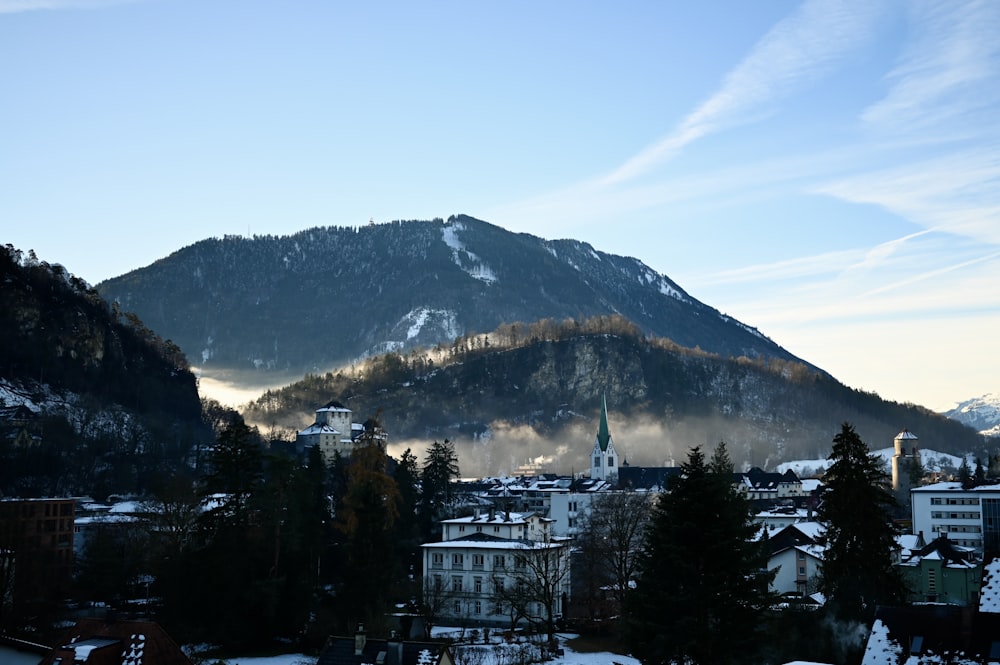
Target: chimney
<point>359,640</point>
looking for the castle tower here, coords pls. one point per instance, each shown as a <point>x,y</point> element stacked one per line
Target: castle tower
<point>604,459</point>
<point>906,449</point>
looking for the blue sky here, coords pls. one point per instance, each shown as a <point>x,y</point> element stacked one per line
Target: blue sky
<point>828,171</point>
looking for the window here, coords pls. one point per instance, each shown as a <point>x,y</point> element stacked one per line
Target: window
<point>931,581</point>
<point>597,461</point>
<point>498,585</point>
<point>461,528</point>
<point>477,560</point>
<point>802,556</point>
<point>496,529</point>
<point>479,607</point>
<point>802,570</point>
<point>611,461</point>
<point>498,561</point>
<point>477,585</point>
<point>458,607</point>
<point>437,560</point>
<point>456,583</point>
<point>457,560</point>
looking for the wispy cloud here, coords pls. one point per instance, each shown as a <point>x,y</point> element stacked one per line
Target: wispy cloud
<point>944,72</point>
<point>18,6</point>
<point>796,51</point>
<point>956,193</point>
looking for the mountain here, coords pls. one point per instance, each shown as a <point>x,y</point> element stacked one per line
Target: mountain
<point>329,296</point>
<point>979,413</point>
<point>91,401</point>
<point>535,397</point>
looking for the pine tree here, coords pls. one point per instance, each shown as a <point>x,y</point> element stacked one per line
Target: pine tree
<point>703,578</point>
<point>856,507</point>
<point>440,468</point>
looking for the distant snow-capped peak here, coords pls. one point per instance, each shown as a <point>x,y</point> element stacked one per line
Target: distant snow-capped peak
<point>980,413</point>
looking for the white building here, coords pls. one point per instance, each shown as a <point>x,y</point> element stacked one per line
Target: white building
<point>475,573</point>
<point>969,517</point>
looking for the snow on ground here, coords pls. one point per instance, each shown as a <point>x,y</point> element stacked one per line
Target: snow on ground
<point>285,659</point>
<point>569,656</point>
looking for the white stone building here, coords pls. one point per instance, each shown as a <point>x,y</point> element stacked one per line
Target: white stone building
<point>333,432</point>
<point>474,574</point>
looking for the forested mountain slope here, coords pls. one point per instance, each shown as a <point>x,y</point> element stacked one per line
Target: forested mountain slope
<point>326,296</point>
<point>92,399</point>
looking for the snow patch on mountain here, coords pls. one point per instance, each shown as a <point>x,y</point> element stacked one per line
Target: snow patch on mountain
<point>109,421</point>
<point>478,269</point>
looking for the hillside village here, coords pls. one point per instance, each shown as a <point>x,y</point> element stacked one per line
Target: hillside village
<point>511,554</point>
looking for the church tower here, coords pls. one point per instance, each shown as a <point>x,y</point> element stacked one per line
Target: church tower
<point>604,460</point>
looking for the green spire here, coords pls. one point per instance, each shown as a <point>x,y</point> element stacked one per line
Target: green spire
<point>603,433</point>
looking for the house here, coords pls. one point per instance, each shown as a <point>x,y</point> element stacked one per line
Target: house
<point>112,642</point>
<point>360,650</point>
<point>942,572</point>
<point>970,517</point>
<point>487,568</point>
<point>795,552</point>
<point>760,485</point>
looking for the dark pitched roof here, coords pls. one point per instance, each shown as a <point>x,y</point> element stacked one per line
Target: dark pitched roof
<point>342,651</point>
<point>789,536</point>
<point>117,643</point>
<point>947,550</point>
<point>646,477</point>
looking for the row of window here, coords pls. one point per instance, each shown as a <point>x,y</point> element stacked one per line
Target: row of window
<point>478,561</point>
<point>965,501</point>
<point>954,516</point>
<point>479,528</point>
<point>458,585</point>
<point>954,528</point>
<point>495,608</point>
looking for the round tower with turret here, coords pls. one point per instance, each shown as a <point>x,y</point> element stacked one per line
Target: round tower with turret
<point>907,448</point>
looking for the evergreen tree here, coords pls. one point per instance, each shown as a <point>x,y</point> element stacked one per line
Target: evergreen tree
<point>703,578</point>
<point>856,507</point>
<point>368,515</point>
<point>965,474</point>
<point>440,468</point>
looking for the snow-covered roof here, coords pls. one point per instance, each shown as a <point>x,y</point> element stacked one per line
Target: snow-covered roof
<point>486,542</point>
<point>955,487</point>
<point>989,595</point>
<point>498,517</point>
<point>319,428</point>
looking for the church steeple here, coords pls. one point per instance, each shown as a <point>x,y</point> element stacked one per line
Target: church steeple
<point>604,459</point>
<point>603,433</point>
